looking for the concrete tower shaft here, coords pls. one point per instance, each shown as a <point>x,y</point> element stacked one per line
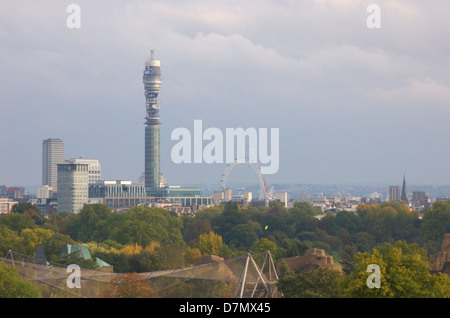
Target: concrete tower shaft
<point>152,85</point>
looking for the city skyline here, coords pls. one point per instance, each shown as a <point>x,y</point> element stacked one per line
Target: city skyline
<point>353,104</point>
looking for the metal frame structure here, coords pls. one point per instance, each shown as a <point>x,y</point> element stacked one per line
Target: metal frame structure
<point>263,194</point>
<point>269,289</point>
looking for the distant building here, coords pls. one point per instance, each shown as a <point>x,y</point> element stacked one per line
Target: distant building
<point>44,192</point>
<point>188,196</point>
<point>119,194</point>
<point>94,168</point>
<point>222,196</point>
<point>394,193</point>
<point>16,193</point>
<point>52,154</point>
<point>45,205</point>
<point>420,200</point>
<point>73,187</point>
<point>420,196</point>
<point>6,205</point>
<point>282,197</point>
<point>3,191</point>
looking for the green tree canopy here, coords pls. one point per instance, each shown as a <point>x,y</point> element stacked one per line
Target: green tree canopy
<point>436,221</point>
<point>405,273</point>
<point>12,285</point>
<point>319,283</point>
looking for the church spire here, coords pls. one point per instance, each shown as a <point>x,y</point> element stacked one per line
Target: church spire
<point>404,196</point>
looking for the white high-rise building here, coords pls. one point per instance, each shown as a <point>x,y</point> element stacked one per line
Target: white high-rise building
<point>282,197</point>
<point>44,192</point>
<point>73,187</point>
<point>94,168</point>
<point>52,154</point>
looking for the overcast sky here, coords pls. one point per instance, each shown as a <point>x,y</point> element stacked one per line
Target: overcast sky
<point>352,104</point>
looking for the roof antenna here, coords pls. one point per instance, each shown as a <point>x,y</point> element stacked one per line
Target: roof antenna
<point>151,52</point>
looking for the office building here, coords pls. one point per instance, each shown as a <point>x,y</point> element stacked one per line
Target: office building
<point>44,192</point>
<point>394,193</point>
<point>188,196</point>
<point>419,196</point>
<point>52,154</point>
<point>118,194</point>
<point>94,168</point>
<point>222,196</point>
<point>73,187</point>
<point>6,205</point>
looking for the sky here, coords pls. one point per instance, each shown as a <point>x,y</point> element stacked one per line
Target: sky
<point>353,104</point>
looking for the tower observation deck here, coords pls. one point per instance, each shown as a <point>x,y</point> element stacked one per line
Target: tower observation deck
<point>152,85</point>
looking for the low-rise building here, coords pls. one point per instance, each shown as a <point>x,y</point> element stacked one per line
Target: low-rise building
<point>6,205</point>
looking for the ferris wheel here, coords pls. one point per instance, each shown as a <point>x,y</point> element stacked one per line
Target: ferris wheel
<point>263,193</point>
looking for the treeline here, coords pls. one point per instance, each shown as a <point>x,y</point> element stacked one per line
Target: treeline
<point>147,239</point>
<point>231,230</point>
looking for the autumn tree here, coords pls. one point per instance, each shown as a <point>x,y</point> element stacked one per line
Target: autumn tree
<point>9,240</point>
<point>404,273</point>
<point>129,285</point>
<point>211,244</point>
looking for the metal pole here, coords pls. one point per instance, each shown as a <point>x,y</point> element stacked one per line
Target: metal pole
<point>243,276</point>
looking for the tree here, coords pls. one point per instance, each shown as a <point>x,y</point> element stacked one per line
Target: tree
<point>12,285</point>
<point>262,245</point>
<point>210,244</point>
<point>32,237</point>
<point>228,219</point>
<point>404,273</point>
<point>53,245</point>
<point>295,247</point>
<point>92,223</point>
<point>129,285</point>
<point>22,207</point>
<point>436,221</point>
<point>277,209</point>
<point>305,207</point>
<point>320,283</point>
<point>243,235</point>
<point>300,220</point>
<point>347,259</point>
<point>364,241</point>
<point>17,222</point>
<point>9,240</point>
<point>197,227</point>
<point>191,254</point>
<point>349,221</point>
